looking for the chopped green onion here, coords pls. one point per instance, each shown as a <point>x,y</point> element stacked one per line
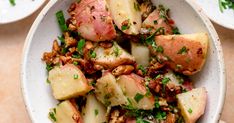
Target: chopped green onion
<point>159,49</point>
<point>52,116</point>
<point>96,112</point>
<point>143,70</point>
<point>175,30</point>
<point>80,45</point>
<point>165,80</point>
<point>49,67</point>
<point>75,76</point>
<point>161,115</point>
<point>190,110</point>
<point>61,21</point>
<point>139,120</point>
<point>92,54</point>
<point>183,50</point>
<point>138,97</point>
<point>75,63</point>
<point>12,2</point>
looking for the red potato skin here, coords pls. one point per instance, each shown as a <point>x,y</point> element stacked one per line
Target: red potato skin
<point>149,22</point>
<point>93,20</point>
<point>191,62</point>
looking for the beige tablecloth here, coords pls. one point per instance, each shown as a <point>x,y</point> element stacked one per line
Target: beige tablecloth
<point>12,37</point>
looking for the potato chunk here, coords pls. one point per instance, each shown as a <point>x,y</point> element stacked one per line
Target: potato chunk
<point>94,111</point>
<point>182,53</point>
<point>192,104</point>
<point>68,82</point>
<point>65,112</point>
<point>154,21</point>
<point>112,57</point>
<point>93,20</point>
<point>126,15</point>
<point>136,92</point>
<point>109,92</point>
<point>141,54</point>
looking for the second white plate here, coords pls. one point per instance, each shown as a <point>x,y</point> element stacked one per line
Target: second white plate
<point>211,8</point>
<point>22,9</point>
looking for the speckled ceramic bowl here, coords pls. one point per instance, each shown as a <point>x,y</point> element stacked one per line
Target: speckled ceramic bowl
<point>188,17</point>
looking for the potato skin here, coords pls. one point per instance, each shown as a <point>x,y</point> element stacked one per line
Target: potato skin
<point>193,57</point>
<point>93,20</point>
<point>149,22</point>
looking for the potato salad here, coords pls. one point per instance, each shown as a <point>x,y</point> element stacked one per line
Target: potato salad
<point>124,61</point>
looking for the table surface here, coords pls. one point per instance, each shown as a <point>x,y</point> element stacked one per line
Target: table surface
<point>12,37</point>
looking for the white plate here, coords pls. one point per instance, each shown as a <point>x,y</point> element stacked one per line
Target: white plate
<point>37,93</point>
<point>22,9</point>
<point>211,8</point>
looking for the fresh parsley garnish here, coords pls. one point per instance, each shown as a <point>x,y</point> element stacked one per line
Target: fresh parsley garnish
<point>75,76</point>
<point>138,97</point>
<point>183,50</point>
<point>92,54</point>
<point>226,4</point>
<point>190,110</point>
<point>61,21</point>
<point>12,2</point>
<point>81,45</point>
<point>165,80</point>
<point>175,30</point>
<point>52,115</point>
<point>96,112</point>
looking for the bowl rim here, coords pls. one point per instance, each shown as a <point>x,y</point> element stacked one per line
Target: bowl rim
<point>197,9</point>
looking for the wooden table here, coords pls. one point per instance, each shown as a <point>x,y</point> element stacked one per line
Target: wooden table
<point>12,37</point>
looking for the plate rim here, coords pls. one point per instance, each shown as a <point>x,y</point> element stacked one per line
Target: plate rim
<point>23,17</point>
<point>196,8</point>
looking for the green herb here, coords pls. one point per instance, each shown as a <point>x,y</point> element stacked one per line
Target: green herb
<point>190,110</point>
<point>136,6</point>
<point>165,80</point>
<point>148,93</point>
<point>96,112</point>
<point>163,12</point>
<point>52,116</point>
<point>49,67</point>
<point>155,22</point>
<point>80,45</point>
<point>138,97</point>
<point>64,50</point>
<point>12,2</point>
<point>76,56</point>
<point>75,76</point>
<point>143,70</point>
<point>175,30</point>
<point>180,78</point>
<point>61,21</point>
<point>159,49</point>
<point>117,51</point>
<point>158,76</point>
<point>92,54</point>
<point>61,39</point>
<point>139,120</point>
<point>156,104</point>
<point>48,81</point>
<point>161,115</point>
<point>183,50</point>
<point>125,25</point>
<point>75,63</point>
<point>150,40</point>
<point>226,4</point>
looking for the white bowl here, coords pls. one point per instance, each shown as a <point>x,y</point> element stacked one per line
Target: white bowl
<point>22,9</point>
<point>188,17</point>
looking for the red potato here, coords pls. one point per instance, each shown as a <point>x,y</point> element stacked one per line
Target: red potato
<point>132,85</point>
<point>154,21</point>
<point>93,20</point>
<point>183,53</point>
